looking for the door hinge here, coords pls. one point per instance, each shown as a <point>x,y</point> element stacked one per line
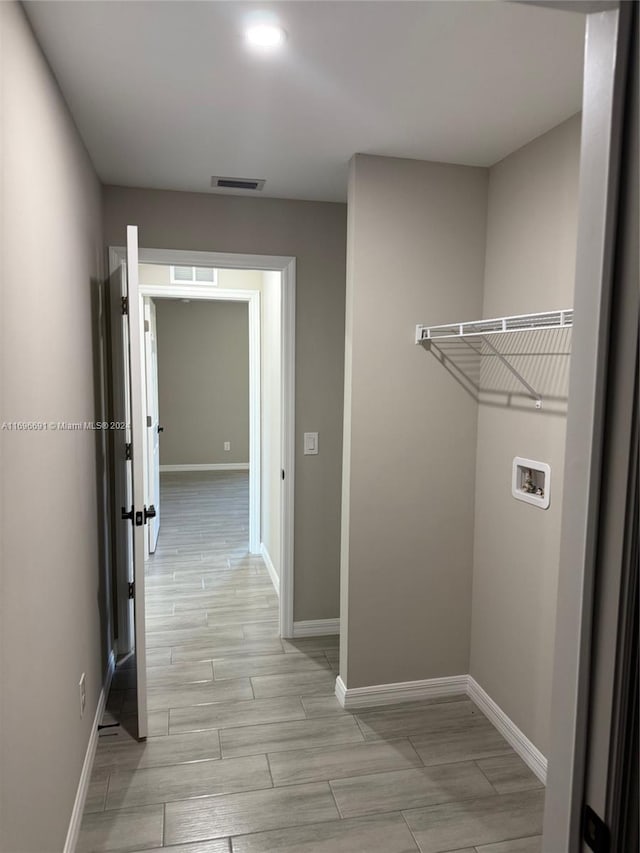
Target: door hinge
<point>146,326</point>
<point>126,516</point>
<point>132,589</point>
<point>149,421</point>
<point>283,473</point>
<point>128,451</point>
<point>595,831</point>
<point>125,304</point>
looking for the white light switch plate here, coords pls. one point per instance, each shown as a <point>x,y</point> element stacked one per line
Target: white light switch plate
<point>310,443</point>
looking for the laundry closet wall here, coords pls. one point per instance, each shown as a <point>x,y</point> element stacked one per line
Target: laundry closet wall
<point>416,243</point>
<point>530,267</point>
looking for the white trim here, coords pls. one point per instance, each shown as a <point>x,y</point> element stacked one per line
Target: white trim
<point>206,292</point>
<point>432,688</point>
<point>255,424</point>
<point>273,574</point>
<point>529,753</point>
<point>403,691</point>
<point>288,361</point>
<point>206,466</point>
<point>87,767</point>
<point>287,267</point>
<point>221,260</point>
<point>316,628</point>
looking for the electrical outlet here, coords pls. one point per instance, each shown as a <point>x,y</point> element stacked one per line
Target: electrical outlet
<point>227,445</point>
<point>82,685</point>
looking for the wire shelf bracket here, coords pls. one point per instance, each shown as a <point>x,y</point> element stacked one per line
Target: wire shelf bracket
<point>482,329</point>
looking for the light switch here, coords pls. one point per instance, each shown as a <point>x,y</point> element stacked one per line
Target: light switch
<point>310,443</point>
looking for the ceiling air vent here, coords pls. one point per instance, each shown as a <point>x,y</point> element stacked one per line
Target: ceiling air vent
<point>237,183</point>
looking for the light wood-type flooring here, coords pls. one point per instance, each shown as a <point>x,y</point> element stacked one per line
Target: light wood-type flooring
<point>249,750</point>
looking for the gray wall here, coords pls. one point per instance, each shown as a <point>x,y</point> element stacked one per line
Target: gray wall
<point>203,381</point>
<point>315,233</point>
<point>53,589</point>
<point>530,266</point>
<point>416,254</point>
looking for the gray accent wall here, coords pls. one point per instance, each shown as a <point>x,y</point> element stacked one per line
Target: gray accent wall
<point>203,381</point>
<point>54,585</point>
<point>416,255</point>
<point>315,234</point>
<point>530,266</point>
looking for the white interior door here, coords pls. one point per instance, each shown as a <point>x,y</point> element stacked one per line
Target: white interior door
<point>120,445</point>
<point>127,354</point>
<point>139,510</point>
<point>153,420</point>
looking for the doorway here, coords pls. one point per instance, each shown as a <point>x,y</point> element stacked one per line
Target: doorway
<point>273,269</point>
<point>194,446</point>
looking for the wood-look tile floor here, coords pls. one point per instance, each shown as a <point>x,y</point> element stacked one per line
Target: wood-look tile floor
<point>249,750</point>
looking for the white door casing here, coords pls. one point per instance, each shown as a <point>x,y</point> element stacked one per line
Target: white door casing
<point>152,497</point>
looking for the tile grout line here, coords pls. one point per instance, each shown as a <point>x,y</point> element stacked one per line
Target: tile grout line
<point>273,784</point>
<point>476,762</point>
<point>340,815</point>
<point>415,840</point>
<point>106,793</point>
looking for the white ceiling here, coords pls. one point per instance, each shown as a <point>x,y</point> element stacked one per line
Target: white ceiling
<point>166,94</point>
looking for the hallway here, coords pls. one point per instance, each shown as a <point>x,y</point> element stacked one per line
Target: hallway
<point>249,750</point>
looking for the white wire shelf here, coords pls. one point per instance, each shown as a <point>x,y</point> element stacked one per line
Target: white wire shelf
<point>497,326</point>
<point>483,329</point>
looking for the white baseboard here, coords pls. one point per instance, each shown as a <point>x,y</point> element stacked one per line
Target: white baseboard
<point>85,776</point>
<point>529,753</point>
<point>273,574</point>
<point>206,466</point>
<point>316,628</point>
<point>431,688</point>
<point>403,691</point>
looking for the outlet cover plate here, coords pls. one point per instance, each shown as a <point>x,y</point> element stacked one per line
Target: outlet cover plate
<point>310,443</point>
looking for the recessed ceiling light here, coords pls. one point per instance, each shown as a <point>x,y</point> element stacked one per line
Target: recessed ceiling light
<point>265,36</point>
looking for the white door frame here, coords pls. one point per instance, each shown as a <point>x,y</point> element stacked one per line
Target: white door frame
<point>602,116</point>
<point>151,438</point>
<point>286,266</point>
